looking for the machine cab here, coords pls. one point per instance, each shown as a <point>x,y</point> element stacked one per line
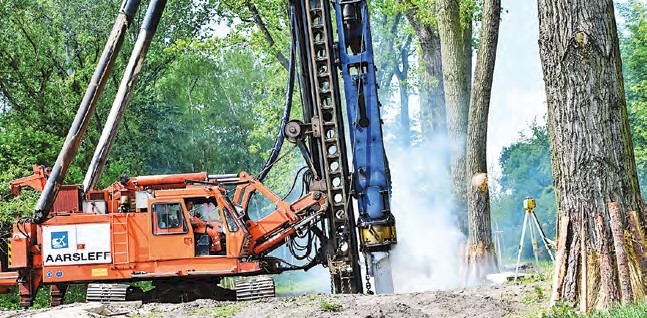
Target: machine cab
<point>196,227</point>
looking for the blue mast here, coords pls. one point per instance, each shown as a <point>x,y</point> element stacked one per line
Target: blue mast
<point>371,178</point>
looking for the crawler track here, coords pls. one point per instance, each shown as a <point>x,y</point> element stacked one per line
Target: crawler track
<point>178,291</point>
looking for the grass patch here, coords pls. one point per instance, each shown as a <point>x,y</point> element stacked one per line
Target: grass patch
<point>144,285</point>
<point>224,311</point>
<point>533,278</point>
<point>328,306</point>
<point>75,294</point>
<point>567,310</point>
<point>11,301</point>
<point>536,296</point>
<point>544,273</point>
<point>152,314</point>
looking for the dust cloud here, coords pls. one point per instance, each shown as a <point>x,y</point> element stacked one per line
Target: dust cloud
<point>426,255</point>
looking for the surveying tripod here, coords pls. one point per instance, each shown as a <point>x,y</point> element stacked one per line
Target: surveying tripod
<point>529,206</point>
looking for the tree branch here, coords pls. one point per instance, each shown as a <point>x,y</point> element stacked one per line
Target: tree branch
<point>268,36</point>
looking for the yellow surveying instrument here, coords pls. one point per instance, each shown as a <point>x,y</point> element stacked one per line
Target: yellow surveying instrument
<point>529,206</point>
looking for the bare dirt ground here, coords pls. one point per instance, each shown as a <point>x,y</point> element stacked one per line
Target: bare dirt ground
<point>508,300</point>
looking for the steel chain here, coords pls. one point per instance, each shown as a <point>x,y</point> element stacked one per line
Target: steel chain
<point>368,278</point>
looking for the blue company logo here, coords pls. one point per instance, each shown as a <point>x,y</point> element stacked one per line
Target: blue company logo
<point>49,274</point>
<point>59,274</point>
<point>59,240</point>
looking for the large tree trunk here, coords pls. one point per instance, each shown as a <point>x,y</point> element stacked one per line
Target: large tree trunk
<point>482,258</point>
<point>432,102</point>
<point>591,150</point>
<point>456,98</point>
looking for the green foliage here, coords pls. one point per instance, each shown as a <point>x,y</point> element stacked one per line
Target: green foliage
<point>525,171</point>
<point>536,296</point>
<point>561,310</point>
<point>13,207</point>
<point>633,46</point>
<point>144,285</point>
<point>11,301</point>
<point>199,103</point>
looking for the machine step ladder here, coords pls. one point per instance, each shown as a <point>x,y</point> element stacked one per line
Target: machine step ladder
<point>119,233</point>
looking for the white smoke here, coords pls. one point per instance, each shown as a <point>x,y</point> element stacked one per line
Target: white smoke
<point>426,255</point>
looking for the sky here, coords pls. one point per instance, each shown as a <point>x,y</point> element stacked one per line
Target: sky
<point>518,95</point>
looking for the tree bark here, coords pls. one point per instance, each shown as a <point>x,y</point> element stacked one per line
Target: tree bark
<point>482,251</point>
<point>609,289</point>
<point>591,148</point>
<point>456,99</point>
<point>467,40</point>
<point>432,108</point>
<point>617,229</point>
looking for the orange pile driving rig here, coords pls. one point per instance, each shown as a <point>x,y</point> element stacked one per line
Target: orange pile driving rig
<point>181,231</point>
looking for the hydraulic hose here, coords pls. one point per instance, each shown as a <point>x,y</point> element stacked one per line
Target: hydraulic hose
<point>288,104</point>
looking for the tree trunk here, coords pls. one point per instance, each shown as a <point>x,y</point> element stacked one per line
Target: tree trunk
<point>405,122</point>
<point>482,257</point>
<point>456,99</point>
<point>432,108</point>
<point>591,148</point>
<point>467,40</point>
<point>402,74</point>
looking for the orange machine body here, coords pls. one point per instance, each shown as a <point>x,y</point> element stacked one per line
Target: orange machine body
<point>141,229</point>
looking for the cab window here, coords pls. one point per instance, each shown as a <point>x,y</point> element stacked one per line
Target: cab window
<point>210,212</point>
<point>206,211</point>
<point>231,224</point>
<point>168,218</point>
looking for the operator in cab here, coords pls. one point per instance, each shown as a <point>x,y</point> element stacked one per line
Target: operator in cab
<point>207,228</point>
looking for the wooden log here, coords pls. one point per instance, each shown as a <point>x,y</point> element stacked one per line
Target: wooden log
<point>617,229</point>
<point>584,265</point>
<point>642,207</point>
<point>592,279</point>
<point>638,243</point>
<point>638,237</point>
<point>635,273</point>
<point>560,259</point>
<point>608,287</point>
<point>570,289</point>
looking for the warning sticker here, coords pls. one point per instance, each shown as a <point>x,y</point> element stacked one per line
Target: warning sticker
<point>99,272</point>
